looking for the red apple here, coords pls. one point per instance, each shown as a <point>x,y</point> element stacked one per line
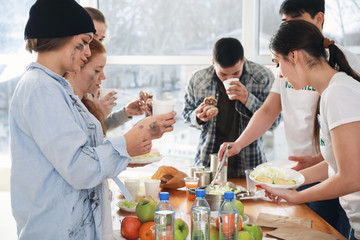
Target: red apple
<point>130,227</point>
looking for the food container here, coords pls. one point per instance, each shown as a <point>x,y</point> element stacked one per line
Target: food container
<point>214,162</point>
<point>204,178</point>
<point>195,169</point>
<point>215,200</point>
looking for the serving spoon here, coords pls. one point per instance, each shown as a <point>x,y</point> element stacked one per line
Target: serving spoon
<point>219,168</point>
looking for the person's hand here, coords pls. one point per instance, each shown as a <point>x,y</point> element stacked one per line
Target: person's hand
<point>239,90</point>
<point>142,148</point>
<point>233,150</point>
<point>107,103</point>
<point>277,194</point>
<point>305,161</point>
<point>201,114</point>
<point>132,165</point>
<point>147,108</point>
<point>134,108</point>
<point>154,127</point>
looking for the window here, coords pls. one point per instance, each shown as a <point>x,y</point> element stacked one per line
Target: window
<point>166,41</point>
<point>341,23</point>
<point>164,27</point>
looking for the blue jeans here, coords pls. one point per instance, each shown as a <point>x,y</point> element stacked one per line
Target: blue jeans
<point>331,211</point>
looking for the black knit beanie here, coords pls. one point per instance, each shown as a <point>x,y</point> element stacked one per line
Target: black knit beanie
<point>57,18</point>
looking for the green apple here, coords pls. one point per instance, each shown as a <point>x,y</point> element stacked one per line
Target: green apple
<point>240,206</point>
<point>145,210</point>
<point>244,235</point>
<point>254,229</point>
<point>181,229</point>
<point>214,232</point>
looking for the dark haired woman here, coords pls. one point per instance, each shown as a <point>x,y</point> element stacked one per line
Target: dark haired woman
<point>298,49</point>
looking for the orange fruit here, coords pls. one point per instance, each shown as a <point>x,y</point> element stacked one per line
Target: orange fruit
<point>145,231</point>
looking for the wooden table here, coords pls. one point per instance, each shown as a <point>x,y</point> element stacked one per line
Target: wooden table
<point>252,209</point>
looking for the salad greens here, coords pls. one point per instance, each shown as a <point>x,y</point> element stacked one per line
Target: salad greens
<point>127,204</point>
<point>220,190</point>
<point>271,172</point>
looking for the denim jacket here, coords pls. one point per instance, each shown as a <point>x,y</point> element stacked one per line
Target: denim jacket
<point>59,160</point>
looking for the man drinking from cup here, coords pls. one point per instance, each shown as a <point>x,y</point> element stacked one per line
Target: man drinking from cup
<point>250,85</point>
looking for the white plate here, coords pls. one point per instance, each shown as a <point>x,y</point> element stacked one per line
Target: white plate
<point>294,175</point>
<point>145,160</point>
<point>126,209</point>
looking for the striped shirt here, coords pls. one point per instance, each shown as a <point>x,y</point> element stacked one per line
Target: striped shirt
<point>258,80</point>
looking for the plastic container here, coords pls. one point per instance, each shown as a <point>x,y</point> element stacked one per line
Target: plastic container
<point>164,217</point>
<point>214,162</point>
<point>200,217</point>
<point>228,218</point>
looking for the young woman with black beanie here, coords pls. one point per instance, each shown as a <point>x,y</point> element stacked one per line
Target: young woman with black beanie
<point>60,160</point>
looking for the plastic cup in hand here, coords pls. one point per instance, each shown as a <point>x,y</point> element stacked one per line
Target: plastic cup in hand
<point>105,91</point>
<point>227,85</point>
<point>250,184</point>
<point>133,186</point>
<point>191,182</point>
<point>162,107</point>
<point>152,188</point>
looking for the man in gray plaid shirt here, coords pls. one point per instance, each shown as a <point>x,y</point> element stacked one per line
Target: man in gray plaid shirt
<point>234,114</point>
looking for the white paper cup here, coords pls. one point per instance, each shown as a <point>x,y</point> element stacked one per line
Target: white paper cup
<point>133,186</point>
<point>105,91</point>
<point>162,107</point>
<point>152,188</point>
<point>250,184</point>
<point>227,85</point>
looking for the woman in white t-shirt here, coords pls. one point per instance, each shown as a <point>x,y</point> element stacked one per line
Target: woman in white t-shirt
<point>299,50</point>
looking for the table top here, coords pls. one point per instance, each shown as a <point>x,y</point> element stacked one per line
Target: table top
<point>252,209</point>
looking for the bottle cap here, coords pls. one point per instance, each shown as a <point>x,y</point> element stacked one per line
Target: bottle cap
<point>200,192</point>
<point>164,196</point>
<point>229,195</point>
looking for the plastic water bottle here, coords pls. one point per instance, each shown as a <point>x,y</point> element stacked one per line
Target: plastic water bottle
<point>200,217</point>
<point>164,217</point>
<point>228,218</point>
